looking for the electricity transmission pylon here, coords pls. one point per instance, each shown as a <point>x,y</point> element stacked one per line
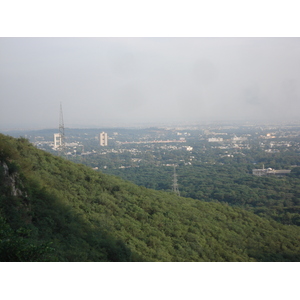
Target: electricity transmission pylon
<point>175,185</point>
<point>62,132</point>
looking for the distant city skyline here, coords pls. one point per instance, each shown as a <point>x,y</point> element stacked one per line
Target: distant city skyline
<point>106,82</point>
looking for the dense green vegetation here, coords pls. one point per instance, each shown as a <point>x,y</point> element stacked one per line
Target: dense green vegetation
<point>232,183</point>
<point>55,210</point>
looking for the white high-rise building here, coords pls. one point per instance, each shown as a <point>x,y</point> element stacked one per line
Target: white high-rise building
<point>103,139</point>
<point>57,140</point>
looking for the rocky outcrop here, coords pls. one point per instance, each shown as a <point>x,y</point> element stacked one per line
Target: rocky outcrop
<point>12,181</point>
<point>13,186</point>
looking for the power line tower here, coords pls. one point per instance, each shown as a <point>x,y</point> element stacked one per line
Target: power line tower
<point>175,185</point>
<point>62,147</point>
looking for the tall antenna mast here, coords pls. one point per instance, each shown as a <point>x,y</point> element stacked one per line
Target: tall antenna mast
<point>62,131</point>
<point>175,185</point>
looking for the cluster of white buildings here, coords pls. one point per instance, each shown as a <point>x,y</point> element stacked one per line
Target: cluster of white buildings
<point>58,140</point>
<point>215,139</point>
<point>270,171</point>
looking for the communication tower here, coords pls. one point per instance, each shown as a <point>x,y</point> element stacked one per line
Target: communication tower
<point>62,147</point>
<point>175,185</point>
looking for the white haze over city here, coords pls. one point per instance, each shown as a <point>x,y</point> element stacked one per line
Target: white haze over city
<point>147,81</point>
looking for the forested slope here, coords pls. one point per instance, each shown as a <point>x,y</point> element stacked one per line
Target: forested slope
<point>276,198</point>
<point>55,210</point>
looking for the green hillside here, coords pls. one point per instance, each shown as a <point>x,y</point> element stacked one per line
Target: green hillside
<point>55,210</point>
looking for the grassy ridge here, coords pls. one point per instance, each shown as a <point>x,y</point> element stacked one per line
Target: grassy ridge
<point>68,212</point>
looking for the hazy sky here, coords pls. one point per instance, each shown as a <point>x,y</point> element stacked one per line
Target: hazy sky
<point>128,81</point>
